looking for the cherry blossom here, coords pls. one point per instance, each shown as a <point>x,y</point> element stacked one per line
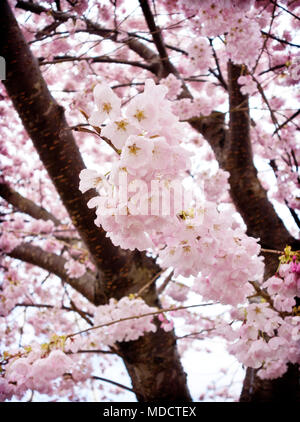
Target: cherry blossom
<point>108,105</point>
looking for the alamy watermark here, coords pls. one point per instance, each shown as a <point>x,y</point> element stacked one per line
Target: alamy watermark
<point>153,198</point>
<point>2,69</point>
<point>295,69</point>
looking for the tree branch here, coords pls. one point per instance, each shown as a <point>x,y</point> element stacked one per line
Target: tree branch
<point>94,377</point>
<point>158,40</point>
<point>55,264</point>
<point>98,59</point>
<point>286,121</point>
<point>84,315</point>
<point>286,10</point>
<point>219,76</point>
<point>25,205</point>
<point>171,47</point>
<point>279,39</point>
<point>278,66</point>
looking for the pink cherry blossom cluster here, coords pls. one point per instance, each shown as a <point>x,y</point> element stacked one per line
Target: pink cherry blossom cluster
<point>229,259</point>
<point>174,86</point>
<point>130,329</point>
<point>198,238</point>
<point>215,185</point>
<point>287,181</point>
<point>257,346</point>
<point>14,231</point>
<point>149,152</point>
<point>13,290</point>
<point>177,291</point>
<point>200,55</point>
<point>244,40</point>
<point>248,86</point>
<point>74,268</point>
<point>37,365</point>
<point>267,341</point>
<point>269,337</point>
<point>33,369</point>
<point>8,242</point>
<point>238,20</point>
<point>186,108</point>
<point>165,323</point>
<point>284,287</point>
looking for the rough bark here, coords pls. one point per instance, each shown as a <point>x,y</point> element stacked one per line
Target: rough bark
<point>158,351</point>
<point>119,272</point>
<point>247,193</point>
<point>233,150</point>
<point>279,390</point>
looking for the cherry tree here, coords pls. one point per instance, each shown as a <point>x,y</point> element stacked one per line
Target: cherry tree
<point>149,170</point>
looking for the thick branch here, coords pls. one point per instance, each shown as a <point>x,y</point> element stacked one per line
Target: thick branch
<point>26,205</point>
<point>86,285</point>
<point>246,191</point>
<point>158,40</point>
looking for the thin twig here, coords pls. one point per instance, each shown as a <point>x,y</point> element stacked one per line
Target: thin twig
<point>165,283</point>
<point>286,10</point>
<point>272,251</point>
<point>195,334</point>
<point>108,352</point>
<point>219,76</point>
<point>147,285</point>
<point>94,377</point>
<point>287,121</point>
<point>159,311</point>
<point>65,308</point>
<point>280,39</point>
